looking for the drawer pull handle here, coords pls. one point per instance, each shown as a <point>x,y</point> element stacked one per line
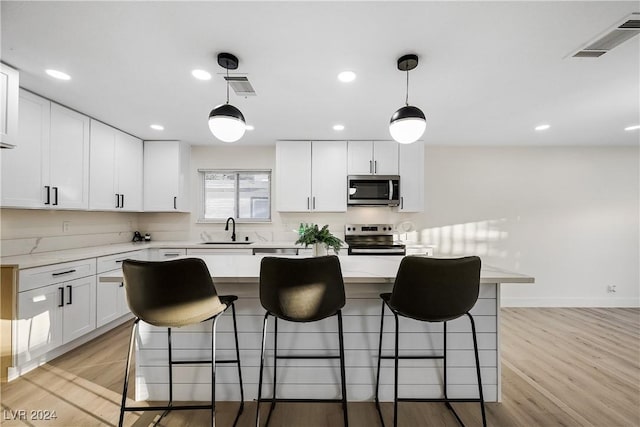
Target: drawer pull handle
<point>70,299</point>
<point>172,254</point>
<point>61,294</point>
<point>63,272</point>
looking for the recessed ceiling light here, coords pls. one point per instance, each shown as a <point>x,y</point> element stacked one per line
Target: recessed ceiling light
<point>157,127</point>
<point>58,74</point>
<point>542,127</point>
<point>201,74</point>
<point>347,76</point>
<point>634,127</point>
<point>249,127</point>
<point>338,127</point>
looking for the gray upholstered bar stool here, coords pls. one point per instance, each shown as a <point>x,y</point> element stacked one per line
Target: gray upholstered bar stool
<point>301,290</point>
<point>173,294</point>
<point>432,290</point>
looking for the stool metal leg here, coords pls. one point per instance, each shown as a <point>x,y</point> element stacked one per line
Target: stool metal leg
<point>475,348</point>
<point>264,339</point>
<point>275,366</point>
<point>213,370</point>
<point>127,370</point>
<point>235,333</point>
<point>395,374</point>
<point>444,365</point>
<point>343,375</point>
<point>379,363</point>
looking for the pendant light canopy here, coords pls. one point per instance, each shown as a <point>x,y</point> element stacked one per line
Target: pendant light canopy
<point>408,123</point>
<point>226,122</point>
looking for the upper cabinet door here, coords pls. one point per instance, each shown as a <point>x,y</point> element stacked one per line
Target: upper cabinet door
<point>385,158</point>
<point>129,160</point>
<point>293,176</point>
<point>360,157</point>
<point>69,158</point>
<point>411,177</point>
<point>102,163</point>
<point>329,176</point>
<point>372,158</point>
<point>166,176</point>
<point>8,105</point>
<point>25,169</point>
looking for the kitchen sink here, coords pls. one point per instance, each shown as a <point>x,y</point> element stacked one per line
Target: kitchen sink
<point>226,242</point>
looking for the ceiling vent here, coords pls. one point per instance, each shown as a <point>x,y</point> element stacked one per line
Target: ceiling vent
<point>616,35</point>
<point>240,85</point>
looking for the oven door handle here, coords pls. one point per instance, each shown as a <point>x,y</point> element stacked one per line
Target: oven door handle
<point>373,251</point>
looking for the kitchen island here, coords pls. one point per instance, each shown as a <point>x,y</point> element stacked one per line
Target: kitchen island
<point>365,278</point>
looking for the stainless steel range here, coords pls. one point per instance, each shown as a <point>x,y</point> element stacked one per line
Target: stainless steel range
<point>372,239</point>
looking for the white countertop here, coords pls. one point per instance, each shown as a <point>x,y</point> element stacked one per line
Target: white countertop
<point>66,255</point>
<point>366,268</point>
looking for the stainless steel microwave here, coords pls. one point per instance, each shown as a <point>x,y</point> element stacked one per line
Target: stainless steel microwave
<point>373,190</point>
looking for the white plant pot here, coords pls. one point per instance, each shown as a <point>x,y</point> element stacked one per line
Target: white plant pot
<point>319,249</point>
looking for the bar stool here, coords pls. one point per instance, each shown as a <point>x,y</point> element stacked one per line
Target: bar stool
<point>432,290</point>
<point>173,294</point>
<point>301,290</point>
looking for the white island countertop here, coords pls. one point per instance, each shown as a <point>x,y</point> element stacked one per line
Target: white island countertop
<point>365,268</point>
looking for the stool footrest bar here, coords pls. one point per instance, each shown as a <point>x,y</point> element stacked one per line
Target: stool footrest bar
<point>412,357</point>
<point>442,400</point>
<point>307,357</point>
<point>268,400</point>
<point>163,408</point>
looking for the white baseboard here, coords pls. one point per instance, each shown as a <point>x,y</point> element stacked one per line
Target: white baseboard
<point>569,302</point>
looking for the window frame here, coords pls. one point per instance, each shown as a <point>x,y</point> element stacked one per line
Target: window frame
<point>201,208</point>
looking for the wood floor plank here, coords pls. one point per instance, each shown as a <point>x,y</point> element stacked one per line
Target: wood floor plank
<point>561,367</point>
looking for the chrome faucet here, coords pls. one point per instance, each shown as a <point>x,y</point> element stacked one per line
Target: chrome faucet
<point>233,232</point>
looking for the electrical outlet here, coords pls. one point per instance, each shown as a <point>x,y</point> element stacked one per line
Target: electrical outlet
<point>611,289</point>
<point>66,226</point>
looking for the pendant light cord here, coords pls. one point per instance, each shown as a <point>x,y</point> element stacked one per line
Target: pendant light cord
<point>227,80</point>
<point>406,100</point>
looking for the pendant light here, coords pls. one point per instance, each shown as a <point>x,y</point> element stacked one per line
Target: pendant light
<point>408,123</point>
<point>226,122</point>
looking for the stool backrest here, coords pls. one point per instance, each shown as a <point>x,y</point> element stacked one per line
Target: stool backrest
<point>301,289</point>
<point>170,293</point>
<point>435,289</point>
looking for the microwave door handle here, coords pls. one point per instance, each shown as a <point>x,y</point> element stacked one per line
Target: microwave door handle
<point>390,189</point>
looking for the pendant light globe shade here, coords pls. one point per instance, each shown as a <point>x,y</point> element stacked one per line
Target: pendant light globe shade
<point>407,124</point>
<point>227,123</point>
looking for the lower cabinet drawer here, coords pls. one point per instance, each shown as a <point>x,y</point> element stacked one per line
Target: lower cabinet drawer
<point>32,278</point>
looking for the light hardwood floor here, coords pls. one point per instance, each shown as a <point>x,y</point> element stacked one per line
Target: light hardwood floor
<point>560,367</point>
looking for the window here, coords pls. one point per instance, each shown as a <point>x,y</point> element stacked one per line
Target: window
<point>244,195</point>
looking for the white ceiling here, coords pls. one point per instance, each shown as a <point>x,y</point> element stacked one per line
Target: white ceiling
<point>489,71</point>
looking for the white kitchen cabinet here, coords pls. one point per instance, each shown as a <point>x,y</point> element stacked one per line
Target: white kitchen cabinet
<point>311,176</point>
<point>111,301</point>
<point>166,176</point>
<point>56,304</point>
<point>69,159</point>
<point>293,176</point>
<point>115,169</point>
<point>9,83</point>
<point>372,158</point>
<point>79,314</point>
<point>411,165</point>
<point>49,168</point>
<point>39,323</point>
<point>25,169</point>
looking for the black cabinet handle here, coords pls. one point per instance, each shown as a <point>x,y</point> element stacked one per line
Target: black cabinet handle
<point>121,285</point>
<point>307,203</point>
<point>61,295</point>
<point>370,166</point>
<point>122,201</point>
<point>55,193</point>
<point>314,202</point>
<point>375,166</point>
<point>401,202</point>
<point>117,200</point>
<point>70,299</point>
<point>48,188</point>
<point>63,272</point>
<point>175,203</point>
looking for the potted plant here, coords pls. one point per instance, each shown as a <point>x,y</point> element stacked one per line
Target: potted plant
<point>320,238</point>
